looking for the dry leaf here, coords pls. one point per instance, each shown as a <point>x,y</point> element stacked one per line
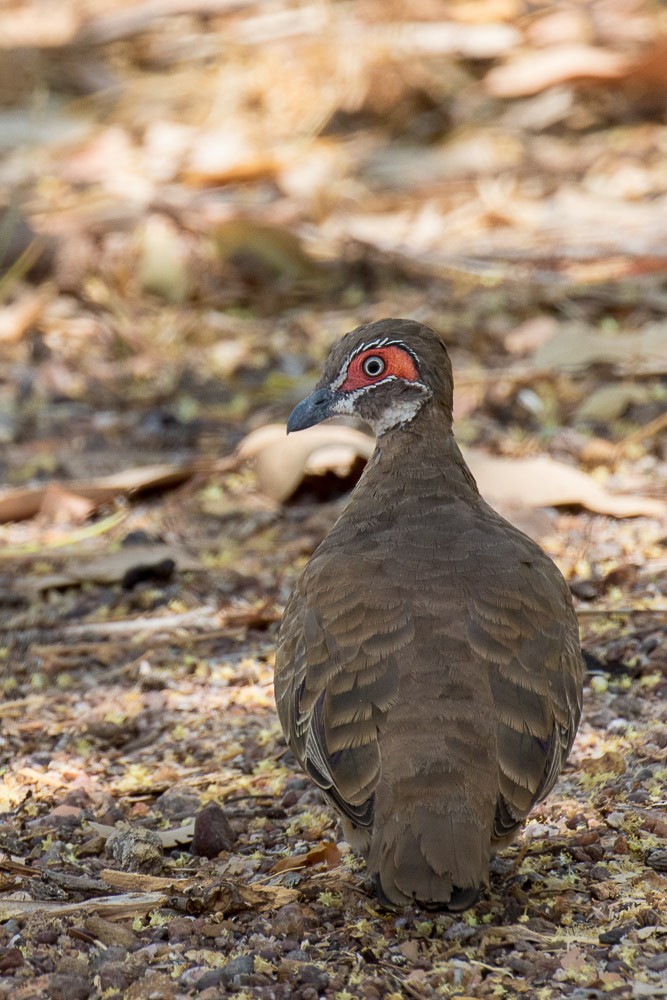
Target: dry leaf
<point>63,506</point>
<point>137,882</point>
<point>472,41</point>
<point>282,461</point>
<point>113,567</point>
<point>272,897</point>
<point>611,763</point>
<point>199,895</point>
<point>531,334</point>
<point>611,401</point>
<point>18,505</point>
<point>651,69</point>
<point>645,351</point>
<point>179,835</point>
<point>163,269</point>
<point>225,156</point>
<point>324,853</point>
<point>559,26</point>
<point>535,71</point>
<point>544,482</point>
<point>19,316</point>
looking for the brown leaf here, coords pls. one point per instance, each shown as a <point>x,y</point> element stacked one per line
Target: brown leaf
<point>19,316</point>
<point>223,896</point>
<point>649,73</point>
<point>225,156</point>
<point>608,763</point>
<point>18,505</point>
<point>645,351</point>
<point>544,482</point>
<point>533,72</point>
<point>62,506</point>
<point>611,401</point>
<point>138,882</point>
<point>281,462</point>
<point>324,853</point>
<point>531,334</point>
<point>272,897</point>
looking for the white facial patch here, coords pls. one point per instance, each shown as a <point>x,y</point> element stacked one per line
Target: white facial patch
<point>345,404</point>
<point>401,412</point>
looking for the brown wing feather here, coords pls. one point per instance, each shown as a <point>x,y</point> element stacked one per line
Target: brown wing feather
<point>517,625</point>
<point>337,675</point>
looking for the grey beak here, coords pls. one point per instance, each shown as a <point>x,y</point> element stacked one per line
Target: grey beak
<point>311,410</point>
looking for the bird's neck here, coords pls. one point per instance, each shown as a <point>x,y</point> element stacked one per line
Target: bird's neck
<point>419,456</point>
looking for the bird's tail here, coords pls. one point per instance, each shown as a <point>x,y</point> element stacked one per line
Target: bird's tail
<point>437,856</point>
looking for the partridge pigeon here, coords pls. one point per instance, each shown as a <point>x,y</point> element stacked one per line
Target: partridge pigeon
<point>428,670</point>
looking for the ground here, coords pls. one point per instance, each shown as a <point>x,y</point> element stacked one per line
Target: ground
<point>184,239</point>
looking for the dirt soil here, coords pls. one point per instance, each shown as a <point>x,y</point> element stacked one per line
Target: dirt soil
<point>199,199</point>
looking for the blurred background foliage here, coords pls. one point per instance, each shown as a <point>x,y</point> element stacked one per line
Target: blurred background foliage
<point>200,195</point>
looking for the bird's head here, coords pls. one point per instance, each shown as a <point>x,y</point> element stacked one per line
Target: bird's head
<point>386,373</point>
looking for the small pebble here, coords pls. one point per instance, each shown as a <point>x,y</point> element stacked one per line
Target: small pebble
<point>211,978</point>
<point>213,834</point>
<point>136,850</point>
<point>64,987</point>
<point>236,970</point>
<point>657,859</point>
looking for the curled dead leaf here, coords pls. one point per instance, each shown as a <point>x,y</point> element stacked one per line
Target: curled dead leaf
<point>281,462</point>
<point>62,506</point>
<point>325,853</point>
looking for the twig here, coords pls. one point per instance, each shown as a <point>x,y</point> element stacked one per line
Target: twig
<point>131,904</point>
<point>197,616</point>
<point>649,430</point>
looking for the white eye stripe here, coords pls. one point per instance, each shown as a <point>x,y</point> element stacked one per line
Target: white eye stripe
<point>350,397</point>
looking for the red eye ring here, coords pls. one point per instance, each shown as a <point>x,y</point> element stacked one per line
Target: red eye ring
<point>395,360</point>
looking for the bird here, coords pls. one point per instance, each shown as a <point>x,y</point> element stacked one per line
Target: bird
<point>428,672</point>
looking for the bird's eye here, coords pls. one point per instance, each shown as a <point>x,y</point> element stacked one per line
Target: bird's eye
<point>373,366</point>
